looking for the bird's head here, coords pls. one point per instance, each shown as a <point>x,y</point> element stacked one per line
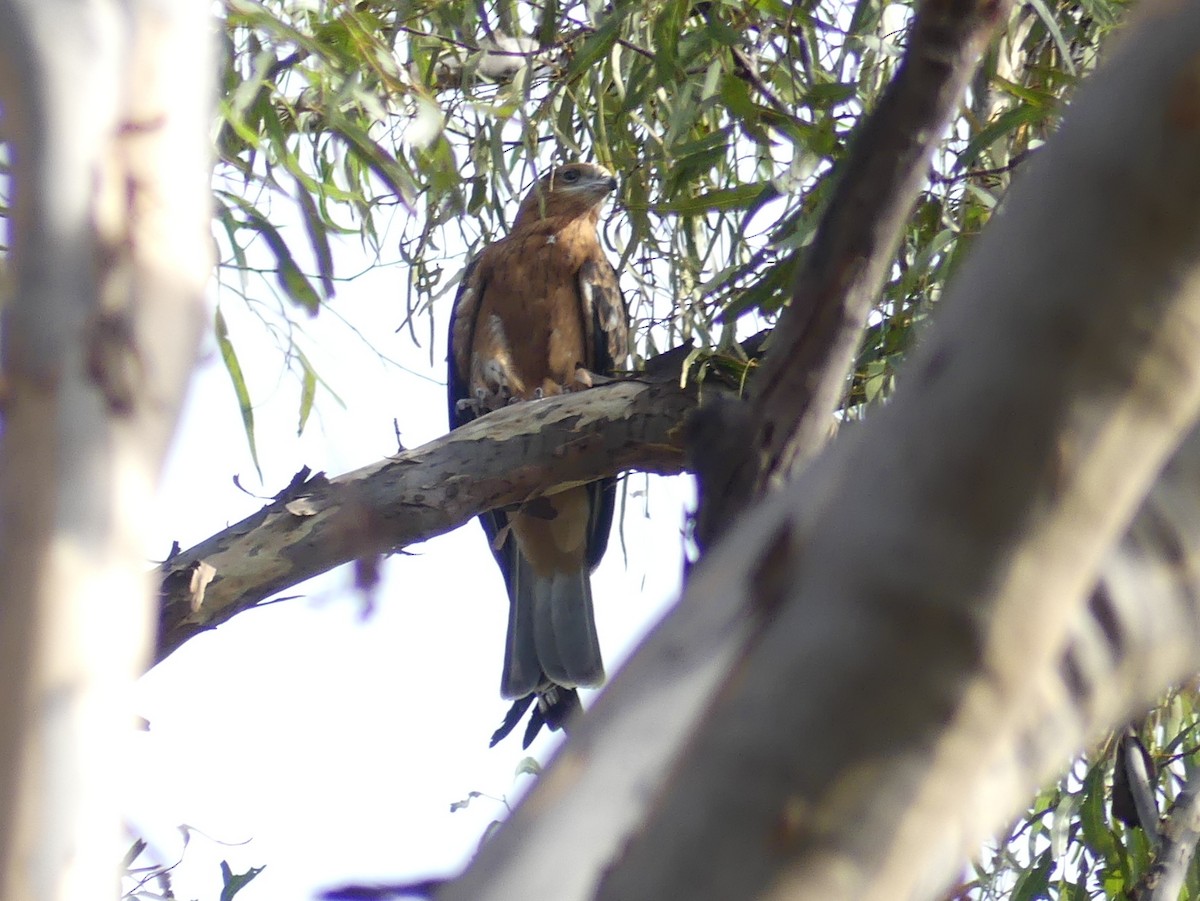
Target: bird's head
<point>570,191</point>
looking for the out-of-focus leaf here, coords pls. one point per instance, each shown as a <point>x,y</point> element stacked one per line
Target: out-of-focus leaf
<point>1065,815</point>
<point>318,239</point>
<point>1034,883</point>
<point>1051,24</point>
<point>528,766</point>
<point>668,25</point>
<point>235,882</point>
<point>1024,114</point>
<point>225,217</point>
<point>380,161</point>
<point>1114,885</point>
<point>294,283</point>
<point>548,22</point>
<point>598,44</point>
<point>1033,95</point>
<point>308,391</point>
<point>768,294</point>
<point>1096,833</point>
<point>830,94</point>
<point>735,94</point>
<point>456,806</point>
<point>740,197</point>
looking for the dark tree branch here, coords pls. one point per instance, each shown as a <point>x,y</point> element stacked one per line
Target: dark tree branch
<point>504,459</point>
<point>803,375</point>
<point>1134,778</point>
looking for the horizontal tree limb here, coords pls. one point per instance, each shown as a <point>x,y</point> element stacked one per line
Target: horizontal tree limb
<point>504,459</point>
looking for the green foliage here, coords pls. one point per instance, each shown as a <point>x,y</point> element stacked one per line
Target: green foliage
<point>152,881</point>
<point>1069,846</point>
<point>409,128</point>
<point>725,121</point>
<point>235,882</point>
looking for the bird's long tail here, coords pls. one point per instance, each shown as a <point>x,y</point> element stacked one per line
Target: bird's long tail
<point>551,632</point>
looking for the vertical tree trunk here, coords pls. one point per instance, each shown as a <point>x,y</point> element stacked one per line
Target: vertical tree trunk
<point>106,110</point>
<point>867,675</point>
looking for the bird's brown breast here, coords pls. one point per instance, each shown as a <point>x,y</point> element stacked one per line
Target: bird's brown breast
<point>531,288</point>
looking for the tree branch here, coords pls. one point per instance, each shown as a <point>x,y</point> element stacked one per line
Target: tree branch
<point>503,459</point>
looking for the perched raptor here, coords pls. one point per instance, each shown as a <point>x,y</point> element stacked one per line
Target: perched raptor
<point>539,313</point>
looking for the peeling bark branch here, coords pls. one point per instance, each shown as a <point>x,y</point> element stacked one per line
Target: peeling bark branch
<point>853,692</point>
<point>503,459</point>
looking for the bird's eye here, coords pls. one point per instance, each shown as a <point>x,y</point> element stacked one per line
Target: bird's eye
<point>571,175</point>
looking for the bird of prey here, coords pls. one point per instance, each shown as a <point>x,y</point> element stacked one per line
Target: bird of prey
<point>539,313</point>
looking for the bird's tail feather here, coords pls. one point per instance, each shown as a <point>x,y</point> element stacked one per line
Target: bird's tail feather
<point>565,629</point>
<point>522,672</point>
<point>551,632</point>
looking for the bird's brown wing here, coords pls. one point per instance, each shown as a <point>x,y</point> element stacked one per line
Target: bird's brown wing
<point>605,315</point>
<point>463,317</point>
<point>460,396</point>
<point>606,326</point>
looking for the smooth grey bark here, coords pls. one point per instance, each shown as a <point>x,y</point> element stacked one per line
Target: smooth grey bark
<point>857,686</point>
<point>106,111</point>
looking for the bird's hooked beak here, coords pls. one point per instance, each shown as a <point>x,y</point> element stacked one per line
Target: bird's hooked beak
<point>603,183</point>
<point>605,180</point>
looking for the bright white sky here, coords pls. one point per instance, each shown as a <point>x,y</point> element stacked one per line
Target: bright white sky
<point>309,738</point>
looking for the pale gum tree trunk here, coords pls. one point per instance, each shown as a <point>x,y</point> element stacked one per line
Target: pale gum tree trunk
<point>870,674</point>
<point>106,110</point>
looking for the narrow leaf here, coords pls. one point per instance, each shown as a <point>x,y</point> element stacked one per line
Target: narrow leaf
<point>308,391</point>
<point>318,237</point>
<point>294,283</point>
<point>234,368</point>
<point>235,882</point>
<point>596,46</point>
<point>1051,24</point>
<point>719,199</point>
